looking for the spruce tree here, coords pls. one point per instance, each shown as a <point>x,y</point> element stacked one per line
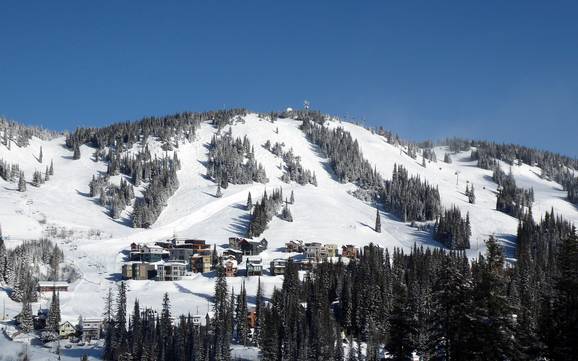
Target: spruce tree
<point>221,342</point>
<point>40,155</point>
<point>565,345</point>
<point>51,169</point>
<point>76,152</point>
<point>26,324</point>
<point>258,313</point>
<point>492,310</point>
<point>286,214</point>
<point>241,317</point>
<point>471,195</point>
<point>21,183</point>
<point>249,201</point>
<point>377,222</point>
<point>54,313</point>
<point>120,332</point>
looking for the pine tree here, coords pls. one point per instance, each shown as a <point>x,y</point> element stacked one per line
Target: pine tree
<point>258,313</point>
<point>401,342</point>
<point>108,307</point>
<point>221,314</point>
<point>377,222</point>
<point>51,169</point>
<point>447,158</point>
<point>241,317</point>
<point>492,311</point>
<point>26,324</point>
<point>76,153</point>
<point>471,195</point>
<point>292,198</point>
<point>214,257</point>
<point>3,259</point>
<point>120,333</point>
<point>54,313</point>
<point>37,179</point>
<point>286,214</point>
<point>21,183</point>
<point>566,300</point>
<point>249,201</point>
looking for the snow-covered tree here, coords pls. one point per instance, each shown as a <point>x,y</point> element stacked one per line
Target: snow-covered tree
<point>26,324</point>
<point>21,183</point>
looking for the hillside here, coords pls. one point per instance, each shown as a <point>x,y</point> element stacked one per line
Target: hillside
<point>326,213</point>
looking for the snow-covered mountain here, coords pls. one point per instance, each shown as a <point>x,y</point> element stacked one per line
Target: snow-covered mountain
<point>93,242</point>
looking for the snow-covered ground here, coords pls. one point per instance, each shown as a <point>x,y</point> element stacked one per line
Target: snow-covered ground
<point>326,213</point>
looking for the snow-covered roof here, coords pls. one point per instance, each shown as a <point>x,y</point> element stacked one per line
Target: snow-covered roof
<point>168,263</point>
<point>230,260</point>
<point>254,260</point>
<point>53,284</point>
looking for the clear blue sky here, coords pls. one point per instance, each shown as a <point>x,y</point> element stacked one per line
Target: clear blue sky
<point>500,70</point>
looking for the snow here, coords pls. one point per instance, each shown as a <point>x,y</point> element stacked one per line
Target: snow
<point>326,213</point>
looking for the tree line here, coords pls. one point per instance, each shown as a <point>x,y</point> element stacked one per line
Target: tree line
<point>434,303</point>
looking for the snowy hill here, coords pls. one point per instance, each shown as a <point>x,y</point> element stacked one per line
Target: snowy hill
<point>326,213</point>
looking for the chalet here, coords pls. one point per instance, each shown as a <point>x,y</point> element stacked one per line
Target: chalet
<point>312,250</point>
<point>254,266</point>
<point>180,254</point>
<point>230,266</point>
<point>52,286</point>
<point>91,328</point>
<point>330,250</point>
<point>66,329</point>
<point>249,248</point>
<point>154,253</point>
<point>294,246</point>
<point>201,262</point>
<point>278,266</point>
<point>138,271</point>
<point>305,264</point>
<point>349,251</point>
<point>196,245</point>
<point>235,253</point>
<point>148,253</point>
<point>170,270</point>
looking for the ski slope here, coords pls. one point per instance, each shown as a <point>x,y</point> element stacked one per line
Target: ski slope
<point>326,213</point>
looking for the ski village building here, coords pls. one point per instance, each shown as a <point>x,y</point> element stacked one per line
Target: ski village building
<point>173,259</point>
<point>66,330</point>
<point>52,286</point>
<point>91,328</point>
<point>254,266</point>
<point>277,266</point>
<point>230,266</point>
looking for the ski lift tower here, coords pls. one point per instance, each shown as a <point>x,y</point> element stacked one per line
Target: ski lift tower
<point>306,104</point>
